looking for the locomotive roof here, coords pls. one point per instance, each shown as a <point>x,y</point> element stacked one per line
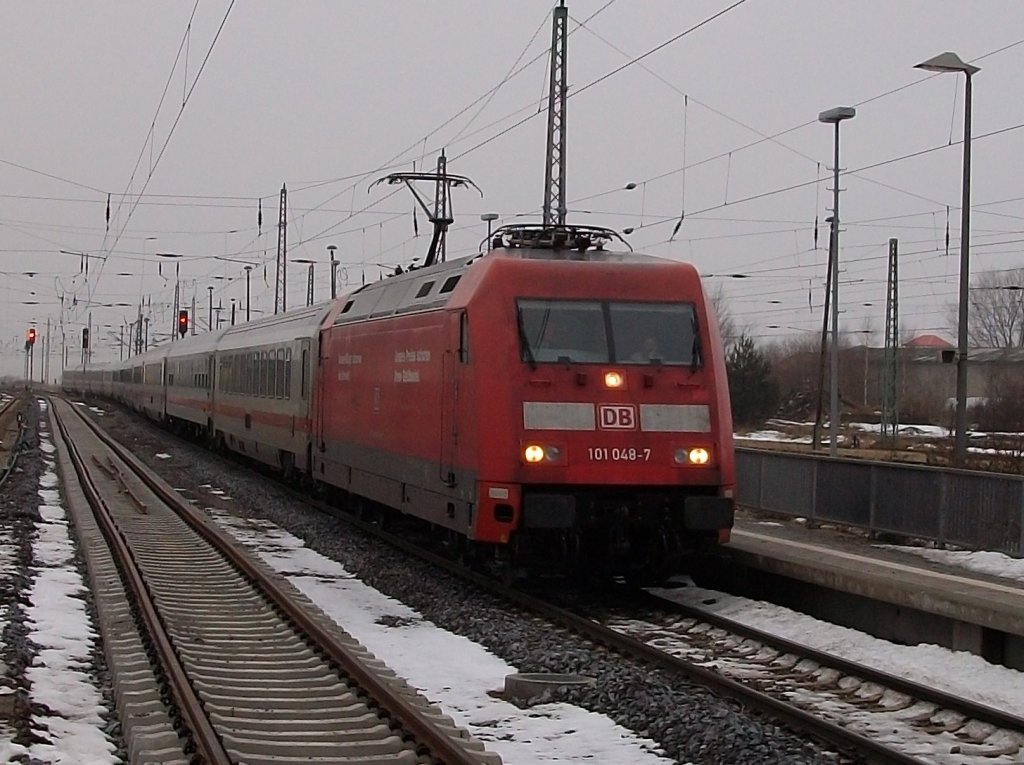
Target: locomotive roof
<point>420,289</point>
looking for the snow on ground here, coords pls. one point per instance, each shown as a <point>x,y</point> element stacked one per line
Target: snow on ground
<point>927,431</point>
<point>981,562</point>
<point>773,435</point>
<point>460,672</point>
<point>72,721</point>
<point>957,672</point>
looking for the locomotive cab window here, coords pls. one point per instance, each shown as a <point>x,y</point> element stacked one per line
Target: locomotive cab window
<point>608,332</point>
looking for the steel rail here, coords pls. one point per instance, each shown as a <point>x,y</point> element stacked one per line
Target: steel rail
<point>843,739</point>
<point>407,715</point>
<point>831,734</point>
<point>974,709</point>
<point>208,745</point>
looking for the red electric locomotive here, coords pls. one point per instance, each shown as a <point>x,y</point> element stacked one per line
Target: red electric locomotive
<point>549,403</point>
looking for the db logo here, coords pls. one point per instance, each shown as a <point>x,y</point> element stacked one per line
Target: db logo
<point>616,416</point>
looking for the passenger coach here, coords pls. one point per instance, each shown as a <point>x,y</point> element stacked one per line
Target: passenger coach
<point>264,374</point>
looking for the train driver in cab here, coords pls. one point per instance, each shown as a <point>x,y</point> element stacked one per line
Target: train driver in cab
<point>648,353</point>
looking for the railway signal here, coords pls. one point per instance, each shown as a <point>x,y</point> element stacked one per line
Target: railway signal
<point>30,336</point>
<point>182,322</point>
<point>85,338</point>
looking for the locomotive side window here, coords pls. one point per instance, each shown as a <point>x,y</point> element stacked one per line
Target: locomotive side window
<point>603,332</point>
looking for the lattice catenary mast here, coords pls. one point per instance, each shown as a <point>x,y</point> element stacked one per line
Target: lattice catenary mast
<point>281,283</point>
<point>890,373</point>
<point>554,172</point>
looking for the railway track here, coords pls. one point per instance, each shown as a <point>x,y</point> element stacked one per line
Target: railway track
<point>969,731</point>
<point>251,672</point>
<point>907,715</point>
<point>817,682</point>
<point>12,432</point>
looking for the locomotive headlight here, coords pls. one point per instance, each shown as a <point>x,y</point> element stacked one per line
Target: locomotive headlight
<point>699,456</point>
<point>695,456</point>
<point>613,379</point>
<point>533,453</point>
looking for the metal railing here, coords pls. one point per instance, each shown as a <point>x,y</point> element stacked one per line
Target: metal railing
<point>978,511</point>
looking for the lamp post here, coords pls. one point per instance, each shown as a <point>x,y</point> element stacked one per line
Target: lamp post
<point>950,62</point>
<point>334,270</point>
<point>834,117</point>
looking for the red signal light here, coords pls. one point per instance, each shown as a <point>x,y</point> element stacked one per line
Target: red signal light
<point>182,322</point>
<point>31,336</point>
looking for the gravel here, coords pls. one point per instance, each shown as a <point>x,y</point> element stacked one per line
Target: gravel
<point>687,722</point>
<point>19,516</point>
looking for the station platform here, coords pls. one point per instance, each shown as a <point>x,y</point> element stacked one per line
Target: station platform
<point>849,579</point>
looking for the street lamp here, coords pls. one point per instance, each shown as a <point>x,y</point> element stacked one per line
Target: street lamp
<point>950,62</point>
<point>309,278</point>
<point>334,270</point>
<point>834,117</point>
<point>489,217</point>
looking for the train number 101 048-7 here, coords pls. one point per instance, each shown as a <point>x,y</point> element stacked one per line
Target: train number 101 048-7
<point>618,454</point>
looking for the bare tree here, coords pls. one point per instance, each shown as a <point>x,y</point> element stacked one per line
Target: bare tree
<point>726,325</point>
<point>794,361</point>
<point>996,310</point>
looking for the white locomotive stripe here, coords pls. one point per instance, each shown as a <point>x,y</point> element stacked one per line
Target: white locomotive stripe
<point>543,415</point>
<point>675,418</point>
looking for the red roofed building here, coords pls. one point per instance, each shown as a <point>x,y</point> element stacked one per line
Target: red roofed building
<point>928,341</point>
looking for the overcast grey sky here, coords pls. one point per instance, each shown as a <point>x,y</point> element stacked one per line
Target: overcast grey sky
<point>327,96</point>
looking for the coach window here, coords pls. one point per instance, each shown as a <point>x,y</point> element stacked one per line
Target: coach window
<point>288,373</point>
<point>272,374</point>
<point>305,373</point>
<point>280,373</point>
<point>449,283</point>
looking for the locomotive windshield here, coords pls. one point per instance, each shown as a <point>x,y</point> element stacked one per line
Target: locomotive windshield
<point>608,332</point>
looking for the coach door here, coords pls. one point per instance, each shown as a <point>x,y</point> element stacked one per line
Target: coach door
<point>304,385</point>
<point>456,355</point>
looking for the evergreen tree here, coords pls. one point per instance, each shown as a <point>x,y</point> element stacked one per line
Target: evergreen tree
<point>752,386</point>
